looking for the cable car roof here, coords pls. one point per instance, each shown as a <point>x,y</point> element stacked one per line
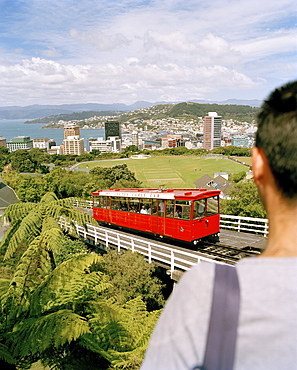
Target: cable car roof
<point>157,193</point>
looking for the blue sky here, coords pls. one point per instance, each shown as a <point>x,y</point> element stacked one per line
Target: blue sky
<point>108,51</point>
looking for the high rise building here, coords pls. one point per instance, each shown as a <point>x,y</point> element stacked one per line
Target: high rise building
<point>135,140</point>
<point>112,128</point>
<point>212,131</point>
<point>72,129</point>
<point>73,145</point>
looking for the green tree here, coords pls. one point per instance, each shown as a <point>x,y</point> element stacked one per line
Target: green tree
<point>21,161</point>
<point>131,276</point>
<point>30,189</point>
<point>245,201</point>
<point>11,178</point>
<point>131,148</point>
<point>4,157</point>
<point>236,177</point>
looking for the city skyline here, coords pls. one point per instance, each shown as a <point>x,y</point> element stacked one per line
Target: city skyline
<point>64,52</point>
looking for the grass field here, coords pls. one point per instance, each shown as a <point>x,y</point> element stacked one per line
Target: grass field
<point>172,172</point>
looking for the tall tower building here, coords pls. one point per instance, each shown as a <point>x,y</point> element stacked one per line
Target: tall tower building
<point>112,128</point>
<point>73,145</point>
<point>71,129</point>
<point>212,131</point>
<point>135,140</point>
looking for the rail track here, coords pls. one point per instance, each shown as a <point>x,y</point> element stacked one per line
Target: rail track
<point>226,253</point>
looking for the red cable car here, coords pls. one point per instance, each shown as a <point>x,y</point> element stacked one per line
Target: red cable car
<point>188,215</point>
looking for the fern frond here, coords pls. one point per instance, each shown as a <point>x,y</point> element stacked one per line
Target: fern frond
<point>49,223</point>
<point>9,234</point>
<point>4,287</point>
<point>33,266</point>
<point>126,360</point>
<point>55,329</point>
<point>5,354</point>
<point>139,321</point>
<point>49,197</point>
<point>70,282</point>
<point>18,211</point>
<point>28,229</point>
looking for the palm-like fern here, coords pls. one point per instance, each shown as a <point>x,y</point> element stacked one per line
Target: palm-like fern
<point>48,309</point>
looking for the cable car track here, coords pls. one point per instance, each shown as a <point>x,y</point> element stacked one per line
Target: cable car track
<point>225,252</point>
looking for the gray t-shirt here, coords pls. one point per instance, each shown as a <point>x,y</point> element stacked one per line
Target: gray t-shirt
<point>267,330</point>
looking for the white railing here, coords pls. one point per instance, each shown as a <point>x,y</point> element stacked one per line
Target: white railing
<point>238,223</point>
<point>245,224</point>
<point>173,258</point>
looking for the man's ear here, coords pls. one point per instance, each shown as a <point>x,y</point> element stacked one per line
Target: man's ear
<point>259,163</point>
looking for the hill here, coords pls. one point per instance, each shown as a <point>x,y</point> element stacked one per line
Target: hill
<point>181,110</point>
<point>41,111</point>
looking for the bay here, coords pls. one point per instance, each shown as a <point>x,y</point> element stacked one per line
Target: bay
<point>15,127</point>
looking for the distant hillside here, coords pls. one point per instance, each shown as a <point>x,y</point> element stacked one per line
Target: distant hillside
<point>73,116</point>
<point>236,112</point>
<point>42,111</point>
<point>241,113</point>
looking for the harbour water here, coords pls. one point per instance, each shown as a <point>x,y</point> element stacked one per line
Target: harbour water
<point>12,128</point>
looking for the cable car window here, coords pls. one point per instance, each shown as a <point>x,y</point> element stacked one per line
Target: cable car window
<point>134,205</point>
<point>212,206</point>
<point>169,208</point>
<point>115,203</point>
<point>154,207</point>
<point>145,207</point>
<point>97,201</point>
<point>182,209</point>
<point>161,207</point>
<point>124,204</point>
<point>106,202</point>
<point>199,208</point>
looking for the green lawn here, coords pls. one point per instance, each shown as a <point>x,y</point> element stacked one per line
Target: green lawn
<point>173,172</point>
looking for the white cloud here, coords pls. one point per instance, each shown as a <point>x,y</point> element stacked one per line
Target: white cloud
<point>174,41</point>
<point>51,53</point>
<point>100,40</point>
<point>126,50</point>
<point>273,43</point>
<point>115,82</point>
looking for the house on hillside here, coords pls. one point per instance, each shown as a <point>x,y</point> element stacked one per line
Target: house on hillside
<point>214,183</point>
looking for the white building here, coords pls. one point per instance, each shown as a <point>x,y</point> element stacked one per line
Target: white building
<point>20,142</point>
<point>41,143</point>
<point>73,145</point>
<point>57,149</point>
<point>113,144</point>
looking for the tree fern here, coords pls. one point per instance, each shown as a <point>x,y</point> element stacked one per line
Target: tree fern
<point>37,334</point>
<point>70,282</point>
<point>50,309</point>
<point>17,211</point>
<point>28,229</point>
<point>5,354</point>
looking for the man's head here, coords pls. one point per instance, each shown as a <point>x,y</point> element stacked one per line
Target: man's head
<point>277,137</point>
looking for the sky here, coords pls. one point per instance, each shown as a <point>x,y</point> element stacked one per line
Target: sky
<point>123,51</point>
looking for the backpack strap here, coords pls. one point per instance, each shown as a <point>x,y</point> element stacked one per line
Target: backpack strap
<point>222,331</point>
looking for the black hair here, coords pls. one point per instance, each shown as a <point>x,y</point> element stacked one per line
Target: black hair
<point>277,136</point>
